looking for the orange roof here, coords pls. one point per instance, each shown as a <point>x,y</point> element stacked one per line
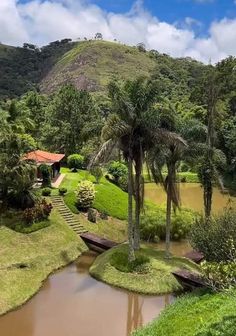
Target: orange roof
<point>44,157</point>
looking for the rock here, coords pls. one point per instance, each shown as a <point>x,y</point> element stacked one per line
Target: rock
<point>92,215</point>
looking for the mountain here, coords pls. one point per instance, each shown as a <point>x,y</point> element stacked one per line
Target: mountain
<point>89,65</point>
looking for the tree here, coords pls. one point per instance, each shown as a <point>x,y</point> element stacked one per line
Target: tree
<point>133,129</point>
<point>98,36</point>
<point>169,154</point>
<point>75,162</point>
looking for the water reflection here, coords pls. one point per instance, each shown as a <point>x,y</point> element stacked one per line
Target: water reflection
<point>71,303</point>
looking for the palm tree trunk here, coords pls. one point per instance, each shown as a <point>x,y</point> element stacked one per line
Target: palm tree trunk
<point>137,205</point>
<point>130,212</point>
<point>168,221</point>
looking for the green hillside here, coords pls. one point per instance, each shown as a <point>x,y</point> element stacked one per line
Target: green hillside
<point>91,65</point>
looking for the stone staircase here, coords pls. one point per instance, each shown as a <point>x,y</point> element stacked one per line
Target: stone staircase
<point>69,217</point>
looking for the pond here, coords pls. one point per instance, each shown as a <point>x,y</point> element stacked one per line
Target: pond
<point>191,196</point>
<point>71,303</point>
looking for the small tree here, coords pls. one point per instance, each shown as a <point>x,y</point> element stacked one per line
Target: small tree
<point>98,36</point>
<point>97,173</point>
<point>46,175</point>
<point>85,195</point>
<point>75,161</point>
<point>117,170</point>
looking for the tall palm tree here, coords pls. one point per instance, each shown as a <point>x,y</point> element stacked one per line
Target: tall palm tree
<point>168,154</point>
<point>133,128</point>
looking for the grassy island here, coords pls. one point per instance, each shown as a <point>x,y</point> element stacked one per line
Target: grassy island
<point>151,276</point>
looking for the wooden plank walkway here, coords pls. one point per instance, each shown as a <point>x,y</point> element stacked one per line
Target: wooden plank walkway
<point>189,279</point>
<point>92,239</point>
<point>195,256</point>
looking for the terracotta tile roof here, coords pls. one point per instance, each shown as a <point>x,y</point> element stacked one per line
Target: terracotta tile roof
<point>41,156</point>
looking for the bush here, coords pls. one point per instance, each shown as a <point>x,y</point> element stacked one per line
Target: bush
<point>46,192</point>
<point>75,162</point>
<point>153,224</point>
<point>220,276</point>
<point>39,212</point>
<point>117,170</point>
<point>46,175</point>
<point>62,191</point>
<point>85,195</point>
<point>119,260</point>
<point>123,183</point>
<point>216,238</point>
<point>97,173</point>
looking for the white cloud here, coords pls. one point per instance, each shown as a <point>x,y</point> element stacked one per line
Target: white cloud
<point>42,21</point>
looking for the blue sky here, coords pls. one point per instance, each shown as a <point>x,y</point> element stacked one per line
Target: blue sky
<point>201,29</point>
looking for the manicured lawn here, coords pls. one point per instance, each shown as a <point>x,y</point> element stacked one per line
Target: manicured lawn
<point>109,198</point>
<point>158,280</point>
<point>196,315</point>
<point>27,259</point>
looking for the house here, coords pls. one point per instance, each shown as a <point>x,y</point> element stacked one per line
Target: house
<point>51,159</point>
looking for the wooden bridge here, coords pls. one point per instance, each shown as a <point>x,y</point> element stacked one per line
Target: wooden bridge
<point>195,256</point>
<point>189,280</point>
<point>99,242</point>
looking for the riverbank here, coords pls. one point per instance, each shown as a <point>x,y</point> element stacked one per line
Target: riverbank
<point>196,314</point>
<point>155,279</point>
<point>26,260</point>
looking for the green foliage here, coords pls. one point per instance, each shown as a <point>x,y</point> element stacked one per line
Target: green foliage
<point>39,212</point>
<point>117,170</point>
<point>119,260</point>
<point>153,224</point>
<point>62,191</point>
<point>75,162</point>
<point>85,195</point>
<point>97,172</point>
<point>216,237</point>
<point>35,226</point>
<point>45,171</point>
<point>196,314</point>
<point>220,276</point>
<point>46,191</point>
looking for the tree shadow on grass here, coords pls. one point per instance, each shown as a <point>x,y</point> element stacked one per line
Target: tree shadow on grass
<point>227,327</point>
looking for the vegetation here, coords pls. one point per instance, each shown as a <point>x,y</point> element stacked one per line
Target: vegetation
<point>75,162</point>
<point>153,224</point>
<point>157,279</point>
<point>117,170</point>
<point>45,171</point>
<point>85,195</point>
<point>196,314</point>
<point>62,191</point>
<point>97,173</point>
<point>216,237</point>
<point>46,191</point>
<point>23,270</point>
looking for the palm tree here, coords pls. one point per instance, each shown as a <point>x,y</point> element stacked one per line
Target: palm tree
<point>133,128</point>
<point>169,154</point>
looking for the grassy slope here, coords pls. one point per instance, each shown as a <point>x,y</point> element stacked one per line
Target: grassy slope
<point>91,65</point>
<point>194,315</point>
<point>109,198</point>
<point>159,280</point>
<point>43,252</point>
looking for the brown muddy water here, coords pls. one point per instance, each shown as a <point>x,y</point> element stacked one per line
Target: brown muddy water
<point>71,303</point>
<point>191,196</point>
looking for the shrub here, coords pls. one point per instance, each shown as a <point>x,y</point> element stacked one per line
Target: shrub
<point>216,237</point>
<point>123,183</point>
<point>62,191</point>
<point>85,195</point>
<point>117,170</point>
<point>46,192</point>
<point>119,260</point>
<point>46,175</point>
<point>75,162</point>
<point>97,173</point>
<point>39,212</point>
<point>153,224</point>
<point>220,276</point>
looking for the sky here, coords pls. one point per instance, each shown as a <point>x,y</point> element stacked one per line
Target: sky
<point>201,29</point>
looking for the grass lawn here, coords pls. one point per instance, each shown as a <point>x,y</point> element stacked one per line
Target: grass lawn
<point>112,228</point>
<point>196,315</point>
<point>27,259</point>
<point>158,279</point>
<point>109,198</point>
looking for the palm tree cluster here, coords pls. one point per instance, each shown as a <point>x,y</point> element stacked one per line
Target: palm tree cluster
<point>137,129</point>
